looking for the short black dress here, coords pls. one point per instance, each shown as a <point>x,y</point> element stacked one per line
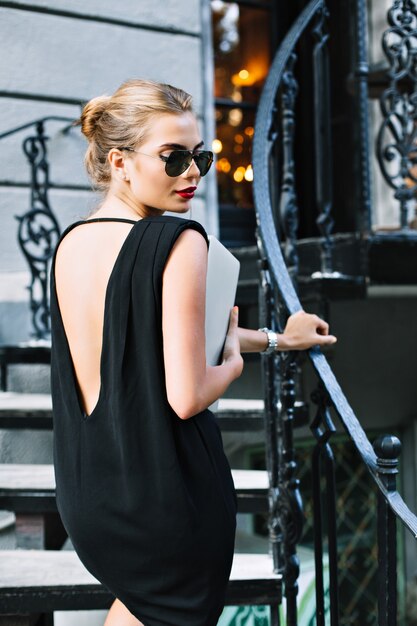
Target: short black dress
<point>147,498</point>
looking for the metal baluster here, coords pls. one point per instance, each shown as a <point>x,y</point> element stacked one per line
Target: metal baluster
<point>38,232</point>
<point>387,449</point>
<point>323,151</point>
<point>272,434</point>
<point>290,505</point>
<point>272,430</point>
<point>323,428</point>
<point>397,136</point>
<point>361,75</point>
<point>288,201</point>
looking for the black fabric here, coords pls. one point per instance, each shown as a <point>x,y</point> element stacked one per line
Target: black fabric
<point>147,498</point>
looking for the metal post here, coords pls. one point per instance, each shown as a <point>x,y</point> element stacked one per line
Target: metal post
<point>387,449</point>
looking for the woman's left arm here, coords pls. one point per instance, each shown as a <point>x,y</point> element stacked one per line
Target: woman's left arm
<point>252,340</point>
<point>302,331</point>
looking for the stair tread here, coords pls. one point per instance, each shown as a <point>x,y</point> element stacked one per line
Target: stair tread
<point>26,477</point>
<point>22,403</point>
<point>34,411</point>
<point>62,568</point>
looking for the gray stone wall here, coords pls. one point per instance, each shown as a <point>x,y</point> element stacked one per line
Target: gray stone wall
<point>55,55</point>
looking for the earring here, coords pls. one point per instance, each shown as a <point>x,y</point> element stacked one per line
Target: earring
<point>124,177</point>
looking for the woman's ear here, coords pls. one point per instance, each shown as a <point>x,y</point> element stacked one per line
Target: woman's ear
<point>117,162</point>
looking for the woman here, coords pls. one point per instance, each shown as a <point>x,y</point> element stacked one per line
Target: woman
<point>144,488</point>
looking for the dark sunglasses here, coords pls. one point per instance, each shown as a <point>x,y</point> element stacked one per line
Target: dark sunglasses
<point>180,160</point>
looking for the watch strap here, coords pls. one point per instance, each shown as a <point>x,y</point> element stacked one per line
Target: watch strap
<point>272,341</point>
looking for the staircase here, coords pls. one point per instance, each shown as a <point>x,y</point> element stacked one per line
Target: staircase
<point>288,403</point>
<point>42,575</point>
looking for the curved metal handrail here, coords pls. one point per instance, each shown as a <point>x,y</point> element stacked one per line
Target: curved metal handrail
<point>262,145</point>
<point>42,120</point>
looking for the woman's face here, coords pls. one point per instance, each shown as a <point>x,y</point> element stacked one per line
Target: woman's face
<point>148,186</point>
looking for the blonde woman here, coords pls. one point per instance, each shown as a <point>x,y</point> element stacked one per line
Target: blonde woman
<point>144,488</point>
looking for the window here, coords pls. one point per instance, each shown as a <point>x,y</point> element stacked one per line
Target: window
<point>242,42</point>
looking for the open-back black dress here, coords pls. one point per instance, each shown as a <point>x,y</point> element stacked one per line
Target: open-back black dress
<point>147,498</point>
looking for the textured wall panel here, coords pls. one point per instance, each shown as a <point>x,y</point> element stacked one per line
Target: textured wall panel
<point>56,56</point>
<point>184,16</point>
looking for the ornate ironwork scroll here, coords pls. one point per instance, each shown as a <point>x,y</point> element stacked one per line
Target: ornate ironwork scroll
<point>38,232</point>
<point>289,503</point>
<point>288,201</point>
<point>397,137</point>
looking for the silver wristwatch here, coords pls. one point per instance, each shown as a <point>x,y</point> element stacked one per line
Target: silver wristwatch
<point>272,341</point>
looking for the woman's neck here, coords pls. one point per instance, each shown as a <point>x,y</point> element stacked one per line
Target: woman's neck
<point>116,206</point>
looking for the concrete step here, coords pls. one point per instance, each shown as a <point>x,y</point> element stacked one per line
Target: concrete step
<point>34,411</point>
<point>34,581</point>
<point>28,488</point>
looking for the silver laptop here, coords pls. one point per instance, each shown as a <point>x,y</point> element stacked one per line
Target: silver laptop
<point>222,277</point>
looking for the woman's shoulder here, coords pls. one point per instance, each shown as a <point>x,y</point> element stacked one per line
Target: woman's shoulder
<point>176,220</point>
<point>179,224</point>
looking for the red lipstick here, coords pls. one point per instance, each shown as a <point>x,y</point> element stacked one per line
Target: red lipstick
<point>187,193</point>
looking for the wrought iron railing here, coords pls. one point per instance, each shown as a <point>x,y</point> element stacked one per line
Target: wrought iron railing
<point>273,189</point>
<point>38,229</point>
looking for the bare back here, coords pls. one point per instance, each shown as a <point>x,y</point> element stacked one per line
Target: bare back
<point>84,263</point>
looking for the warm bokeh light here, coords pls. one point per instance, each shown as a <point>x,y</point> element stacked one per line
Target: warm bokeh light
<point>239,138</point>
<point>249,174</point>
<point>249,131</point>
<point>217,146</point>
<point>223,165</point>
<point>257,73</point>
<point>238,149</point>
<point>239,174</point>
<point>235,117</point>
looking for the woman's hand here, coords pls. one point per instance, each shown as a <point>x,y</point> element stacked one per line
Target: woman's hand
<point>231,350</point>
<point>304,330</point>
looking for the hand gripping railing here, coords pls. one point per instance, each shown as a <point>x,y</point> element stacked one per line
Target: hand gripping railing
<point>277,299</point>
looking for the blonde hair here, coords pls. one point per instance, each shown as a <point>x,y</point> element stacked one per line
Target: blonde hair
<point>124,119</point>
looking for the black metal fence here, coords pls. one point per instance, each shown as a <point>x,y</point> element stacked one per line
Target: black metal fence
<point>275,190</point>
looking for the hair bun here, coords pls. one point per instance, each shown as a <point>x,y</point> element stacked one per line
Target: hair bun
<point>91,115</point>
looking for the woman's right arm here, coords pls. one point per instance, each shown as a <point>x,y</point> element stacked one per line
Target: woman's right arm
<point>191,384</point>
